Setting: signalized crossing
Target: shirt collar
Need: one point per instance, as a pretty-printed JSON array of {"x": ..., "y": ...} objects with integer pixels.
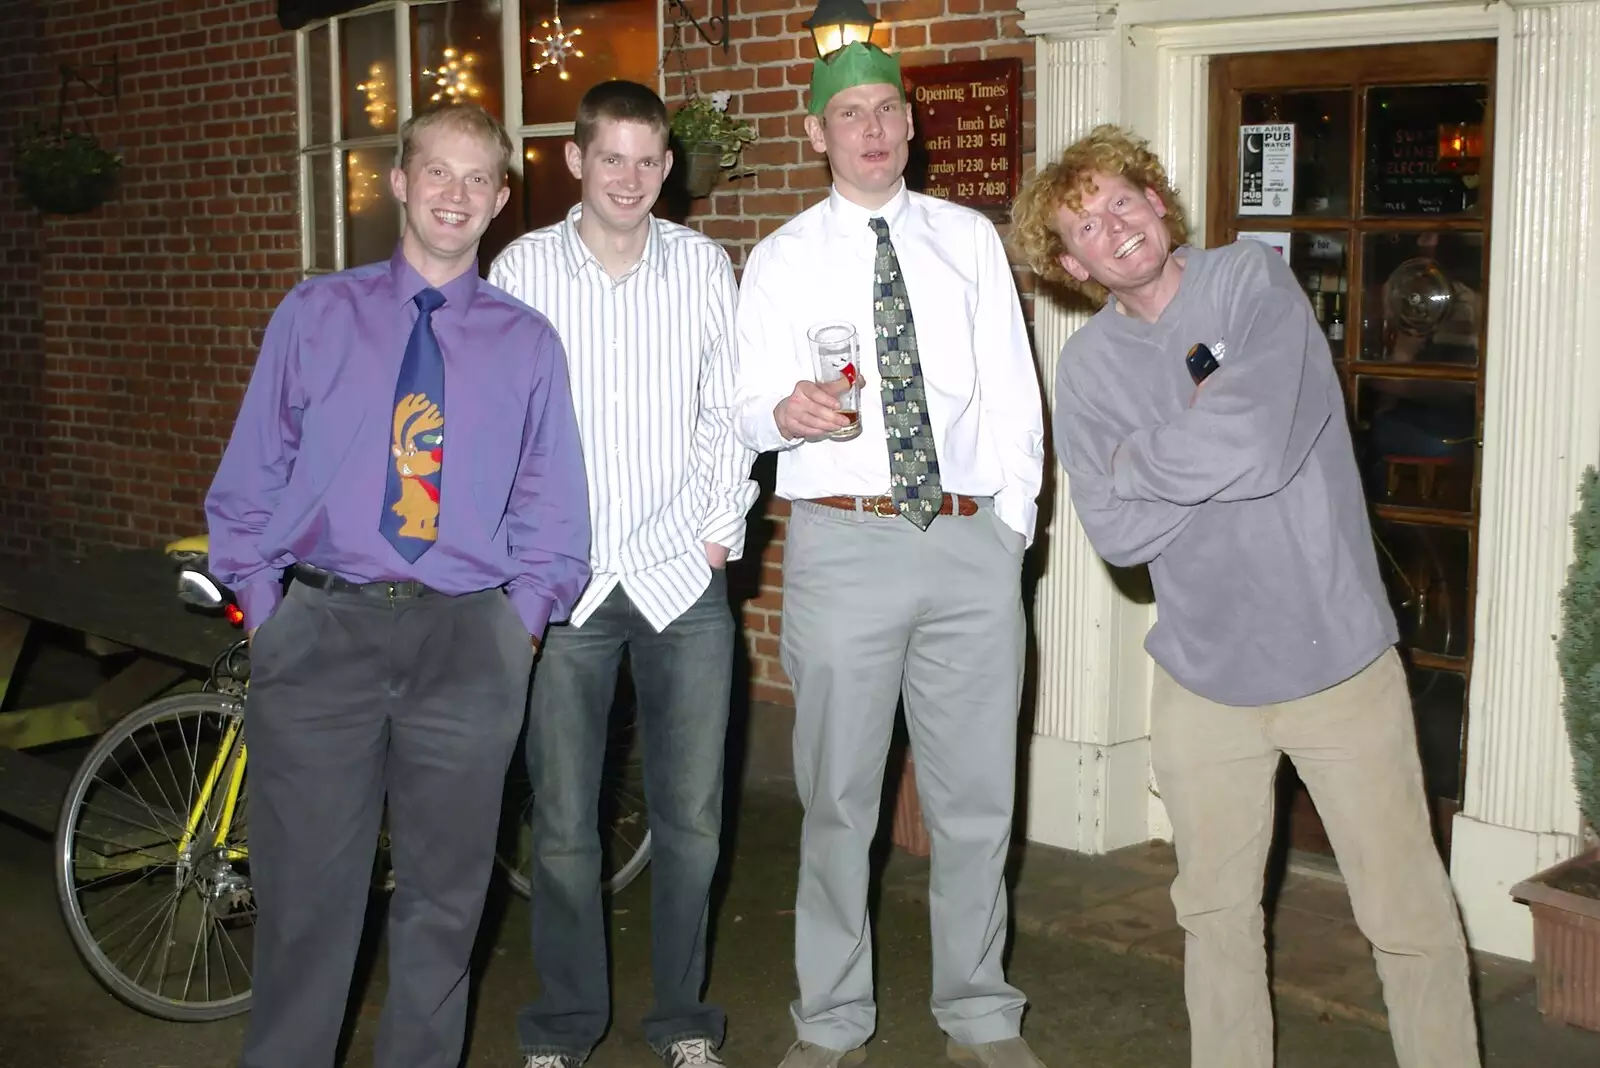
[
  {"x": 458, "y": 292},
  {"x": 578, "y": 253},
  {"x": 850, "y": 219}
]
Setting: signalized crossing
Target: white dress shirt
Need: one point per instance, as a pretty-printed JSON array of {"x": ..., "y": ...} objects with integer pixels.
[
  {"x": 652, "y": 366},
  {"x": 977, "y": 366}
]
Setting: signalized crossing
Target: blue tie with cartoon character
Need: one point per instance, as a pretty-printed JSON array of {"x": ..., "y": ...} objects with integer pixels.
[
  {"x": 416, "y": 445},
  {"x": 913, "y": 464}
]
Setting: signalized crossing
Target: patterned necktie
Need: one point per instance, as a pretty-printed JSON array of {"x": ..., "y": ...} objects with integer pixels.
[
  {"x": 913, "y": 464},
  {"x": 416, "y": 444}
]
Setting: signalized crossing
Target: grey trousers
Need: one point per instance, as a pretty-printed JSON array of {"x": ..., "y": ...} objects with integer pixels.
[
  {"x": 873, "y": 610},
  {"x": 353, "y": 699}
]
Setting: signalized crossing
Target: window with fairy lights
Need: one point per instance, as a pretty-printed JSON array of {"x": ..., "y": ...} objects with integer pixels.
[{"x": 361, "y": 75}]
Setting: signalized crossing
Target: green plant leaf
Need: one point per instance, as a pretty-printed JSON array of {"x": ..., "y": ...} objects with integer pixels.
[
  {"x": 1578, "y": 647},
  {"x": 697, "y": 123}
]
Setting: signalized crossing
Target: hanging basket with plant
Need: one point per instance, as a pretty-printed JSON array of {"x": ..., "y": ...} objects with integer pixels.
[
  {"x": 711, "y": 141},
  {"x": 63, "y": 172}
]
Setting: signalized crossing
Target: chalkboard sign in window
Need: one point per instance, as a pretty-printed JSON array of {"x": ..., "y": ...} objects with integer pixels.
[{"x": 1424, "y": 149}]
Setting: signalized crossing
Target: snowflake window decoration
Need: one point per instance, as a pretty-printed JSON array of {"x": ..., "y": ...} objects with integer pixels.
[
  {"x": 556, "y": 46},
  {"x": 456, "y": 77}
]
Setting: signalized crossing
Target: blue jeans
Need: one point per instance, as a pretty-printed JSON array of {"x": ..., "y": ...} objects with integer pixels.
[{"x": 682, "y": 677}]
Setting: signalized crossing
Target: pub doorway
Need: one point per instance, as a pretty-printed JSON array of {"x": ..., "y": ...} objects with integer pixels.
[{"x": 1369, "y": 169}]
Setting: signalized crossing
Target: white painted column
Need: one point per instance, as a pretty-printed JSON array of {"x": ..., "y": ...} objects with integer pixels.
[
  {"x": 1088, "y": 771},
  {"x": 1541, "y": 428}
]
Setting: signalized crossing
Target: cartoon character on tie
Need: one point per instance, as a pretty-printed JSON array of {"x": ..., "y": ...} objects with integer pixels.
[
  {"x": 416, "y": 475},
  {"x": 416, "y": 417}
]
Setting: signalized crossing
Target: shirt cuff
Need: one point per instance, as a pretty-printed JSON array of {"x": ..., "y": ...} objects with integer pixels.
[
  {"x": 761, "y": 433},
  {"x": 533, "y": 608},
  {"x": 726, "y": 529},
  {"x": 1018, "y": 511},
  {"x": 258, "y": 600}
]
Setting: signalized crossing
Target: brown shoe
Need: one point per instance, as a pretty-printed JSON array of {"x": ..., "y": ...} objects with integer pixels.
[
  {"x": 1007, "y": 1053},
  {"x": 807, "y": 1055}
]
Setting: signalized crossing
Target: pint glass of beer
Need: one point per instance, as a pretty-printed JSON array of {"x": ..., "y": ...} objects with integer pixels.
[{"x": 834, "y": 353}]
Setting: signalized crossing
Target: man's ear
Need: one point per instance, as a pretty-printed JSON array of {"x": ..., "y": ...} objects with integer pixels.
[
  {"x": 397, "y": 184},
  {"x": 501, "y": 198},
  {"x": 1074, "y": 267},
  {"x": 814, "y": 132},
  {"x": 574, "y": 159}
]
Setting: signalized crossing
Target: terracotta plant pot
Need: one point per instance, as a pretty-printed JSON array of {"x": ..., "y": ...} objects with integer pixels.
[
  {"x": 702, "y": 166},
  {"x": 1566, "y": 940}
]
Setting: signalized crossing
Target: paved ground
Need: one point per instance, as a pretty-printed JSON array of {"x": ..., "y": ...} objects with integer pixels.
[
  {"x": 1096, "y": 950},
  {"x": 1094, "y": 1005}
]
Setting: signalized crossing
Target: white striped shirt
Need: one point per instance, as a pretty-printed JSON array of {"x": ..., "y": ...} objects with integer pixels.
[{"x": 651, "y": 358}]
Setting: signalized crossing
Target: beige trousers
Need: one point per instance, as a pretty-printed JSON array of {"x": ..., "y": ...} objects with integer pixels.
[{"x": 1354, "y": 745}]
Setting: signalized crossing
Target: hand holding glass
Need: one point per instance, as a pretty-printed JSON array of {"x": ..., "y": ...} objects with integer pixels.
[{"x": 833, "y": 352}]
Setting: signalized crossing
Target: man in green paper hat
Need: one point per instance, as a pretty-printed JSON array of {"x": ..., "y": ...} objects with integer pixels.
[{"x": 902, "y": 565}]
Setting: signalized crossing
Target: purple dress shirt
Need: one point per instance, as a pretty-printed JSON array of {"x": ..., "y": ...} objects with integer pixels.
[{"x": 303, "y": 477}]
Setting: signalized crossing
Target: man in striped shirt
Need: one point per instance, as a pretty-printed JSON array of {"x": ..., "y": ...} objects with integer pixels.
[{"x": 645, "y": 311}]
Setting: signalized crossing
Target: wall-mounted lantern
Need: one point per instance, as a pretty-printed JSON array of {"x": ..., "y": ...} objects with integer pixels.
[{"x": 836, "y": 23}]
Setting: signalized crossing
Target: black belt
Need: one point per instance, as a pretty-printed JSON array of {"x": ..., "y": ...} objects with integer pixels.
[{"x": 328, "y": 582}]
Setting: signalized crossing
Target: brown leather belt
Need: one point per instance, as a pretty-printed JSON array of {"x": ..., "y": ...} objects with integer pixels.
[{"x": 883, "y": 505}]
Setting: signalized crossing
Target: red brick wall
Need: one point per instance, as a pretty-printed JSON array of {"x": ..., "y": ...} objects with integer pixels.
[
  {"x": 768, "y": 69},
  {"x": 130, "y": 331},
  {"x": 22, "y": 424}
]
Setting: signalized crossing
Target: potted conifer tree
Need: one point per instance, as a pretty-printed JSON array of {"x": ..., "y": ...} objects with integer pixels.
[{"x": 1565, "y": 899}]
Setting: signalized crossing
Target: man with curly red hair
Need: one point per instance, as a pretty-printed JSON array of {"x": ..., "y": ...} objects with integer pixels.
[{"x": 1200, "y": 423}]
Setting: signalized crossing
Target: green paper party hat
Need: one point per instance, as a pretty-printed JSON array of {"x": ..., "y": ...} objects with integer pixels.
[{"x": 857, "y": 63}]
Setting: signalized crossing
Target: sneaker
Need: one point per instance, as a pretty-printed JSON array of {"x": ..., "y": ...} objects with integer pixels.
[
  {"x": 551, "y": 1060},
  {"x": 1007, "y": 1053},
  {"x": 806, "y": 1055},
  {"x": 690, "y": 1051}
]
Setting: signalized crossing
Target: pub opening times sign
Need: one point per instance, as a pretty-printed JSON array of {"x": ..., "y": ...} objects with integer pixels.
[{"x": 968, "y": 120}]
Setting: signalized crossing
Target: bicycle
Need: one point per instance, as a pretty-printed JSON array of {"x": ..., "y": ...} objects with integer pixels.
[{"x": 152, "y": 857}]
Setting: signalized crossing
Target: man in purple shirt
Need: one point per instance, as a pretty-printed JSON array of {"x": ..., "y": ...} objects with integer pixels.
[{"x": 423, "y": 574}]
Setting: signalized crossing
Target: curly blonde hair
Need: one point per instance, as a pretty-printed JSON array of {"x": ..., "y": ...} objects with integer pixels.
[{"x": 1108, "y": 150}]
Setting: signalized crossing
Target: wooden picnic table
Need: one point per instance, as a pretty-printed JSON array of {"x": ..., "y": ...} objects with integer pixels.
[{"x": 124, "y": 604}]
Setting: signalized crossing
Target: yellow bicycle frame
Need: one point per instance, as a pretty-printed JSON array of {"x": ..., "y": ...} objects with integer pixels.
[{"x": 230, "y": 744}]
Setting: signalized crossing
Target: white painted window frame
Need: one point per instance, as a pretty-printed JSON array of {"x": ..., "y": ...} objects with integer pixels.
[{"x": 512, "y": 58}]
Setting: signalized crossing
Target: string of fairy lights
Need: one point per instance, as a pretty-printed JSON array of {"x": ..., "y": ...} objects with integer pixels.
[
  {"x": 363, "y": 181},
  {"x": 379, "y": 106}
]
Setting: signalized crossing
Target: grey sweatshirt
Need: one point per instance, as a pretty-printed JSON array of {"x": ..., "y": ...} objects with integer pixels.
[{"x": 1243, "y": 498}]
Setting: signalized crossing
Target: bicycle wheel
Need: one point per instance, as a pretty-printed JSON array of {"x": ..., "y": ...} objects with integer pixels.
[
  {"x": 157, "y": 901},
  {"x": 624, "y": 828}
]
